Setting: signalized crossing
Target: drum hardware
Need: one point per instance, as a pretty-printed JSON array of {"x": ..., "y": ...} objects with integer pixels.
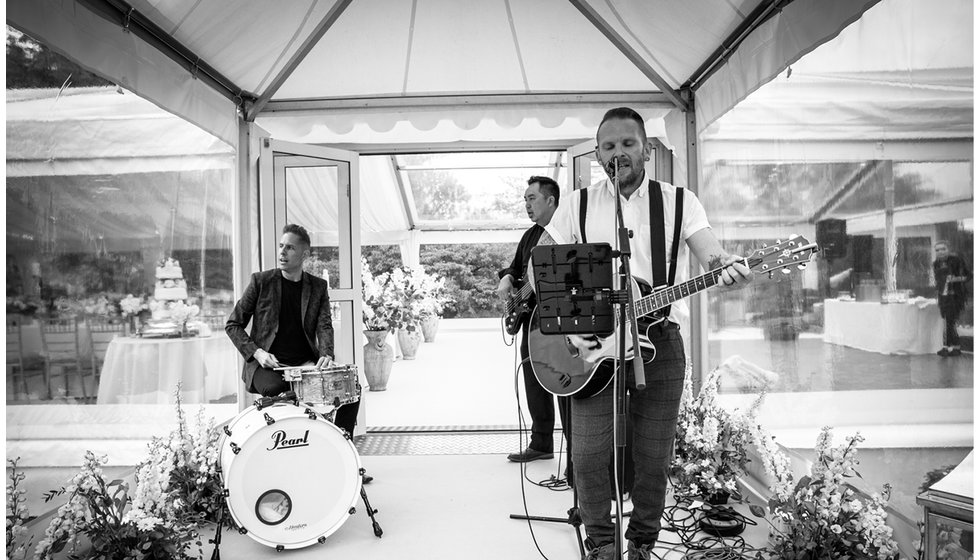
[
  {"x": 268, "y": 419},
  {"x": 234, "y": 448},
  {"x": 265, "y": 402},
  {"x": 226, "y": 430}
]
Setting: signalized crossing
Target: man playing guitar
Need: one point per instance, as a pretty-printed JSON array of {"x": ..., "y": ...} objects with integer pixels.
[
  {"x": 540, "y": 201},
  {"x": 623, "y": 149}
]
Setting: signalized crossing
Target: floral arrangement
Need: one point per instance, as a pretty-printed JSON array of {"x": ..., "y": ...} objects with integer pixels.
[
  {"x": 24, "y": 305},
  {"x": 17, "y": 514},
  {"x": 821, "y": 517},
  {"x": 712, "y": 443},
  {"x": 181, "y": 312},
  {"x": 131, "y": 305},
  {"x": 176, "y": 489},
  {"x": 95, "y": 305},
  {"x": 380, "y": 305},
  {"x": 419, "y": 294}
]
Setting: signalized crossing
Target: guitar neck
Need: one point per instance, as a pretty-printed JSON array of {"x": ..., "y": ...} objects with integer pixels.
[{"x": 667, "y": 295}]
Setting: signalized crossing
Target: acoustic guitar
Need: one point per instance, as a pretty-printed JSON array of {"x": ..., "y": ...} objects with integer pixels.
[{"x": 572, "y": 365}]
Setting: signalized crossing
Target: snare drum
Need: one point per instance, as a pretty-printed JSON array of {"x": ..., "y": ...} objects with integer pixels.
[
  {"x": 292, "y": 478},
  {"x": 334, "y": 386}
]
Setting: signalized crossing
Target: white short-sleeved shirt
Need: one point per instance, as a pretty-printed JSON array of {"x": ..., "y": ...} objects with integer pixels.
[{"x": 600, "y": 225}]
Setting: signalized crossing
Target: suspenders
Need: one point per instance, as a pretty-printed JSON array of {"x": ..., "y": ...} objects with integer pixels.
[{"x": 657, "y": 241}]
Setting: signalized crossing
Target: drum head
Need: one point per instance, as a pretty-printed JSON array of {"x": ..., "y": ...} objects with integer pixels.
[{"x": 293, "y": 481}]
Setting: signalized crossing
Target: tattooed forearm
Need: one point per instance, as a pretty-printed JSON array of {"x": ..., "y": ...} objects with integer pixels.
[{"x": 714, "y": 261}]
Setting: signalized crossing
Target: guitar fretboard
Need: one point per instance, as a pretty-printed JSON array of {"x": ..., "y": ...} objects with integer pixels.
[{"x": 669, "y": 294}]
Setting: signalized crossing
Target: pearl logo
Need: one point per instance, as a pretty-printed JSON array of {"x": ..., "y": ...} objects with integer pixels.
[{"x": 280, "y": 441}]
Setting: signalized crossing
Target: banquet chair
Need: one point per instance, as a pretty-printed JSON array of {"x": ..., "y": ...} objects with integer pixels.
[
  {"x": 102, "y": 333},
  {"x": 15, "y": 358},
  {"x": 65, "y": 346}
]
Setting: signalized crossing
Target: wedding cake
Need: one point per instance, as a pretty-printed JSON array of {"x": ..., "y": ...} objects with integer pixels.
[{"x": 170, "y": 284}]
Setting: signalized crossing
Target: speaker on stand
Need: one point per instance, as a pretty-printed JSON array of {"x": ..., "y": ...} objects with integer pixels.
[{"x": 832, "y": 238}]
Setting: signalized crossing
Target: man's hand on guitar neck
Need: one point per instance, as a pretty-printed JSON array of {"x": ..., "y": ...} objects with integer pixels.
[{"x": 736, "y": 273}]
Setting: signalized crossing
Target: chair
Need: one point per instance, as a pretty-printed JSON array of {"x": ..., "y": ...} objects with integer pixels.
[
  {"x": 102, "y": 333},
  {"x": 15, "y": 357},
  {"x": 19, "y": 366},
  {"x": 65, "y": 345}
]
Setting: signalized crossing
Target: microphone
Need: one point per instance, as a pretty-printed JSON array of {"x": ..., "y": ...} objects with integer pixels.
[{"x": 612, "y": 166}]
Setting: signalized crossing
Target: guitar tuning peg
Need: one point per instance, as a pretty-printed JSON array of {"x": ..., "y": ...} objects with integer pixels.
[
  {"x": 778, "y": 241},
  {"x": 785, "y": 270},
  {"x": 770, "y": 274},
  {"x": 794, "y": 236},
  {"x": 802, "y": 266}
]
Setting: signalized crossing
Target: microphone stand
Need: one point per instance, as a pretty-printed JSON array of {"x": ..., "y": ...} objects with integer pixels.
[{"x": 626, "y": 321}]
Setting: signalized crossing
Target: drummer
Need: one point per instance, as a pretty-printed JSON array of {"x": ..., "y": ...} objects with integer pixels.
[{"x": 291, "y": 323}]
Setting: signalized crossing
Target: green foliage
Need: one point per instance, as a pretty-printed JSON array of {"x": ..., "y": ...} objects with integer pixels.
[
  {"x": 470, "y": 271},
  {"x": 33, "y": 65},
  {"x": 471, "y": 275}
]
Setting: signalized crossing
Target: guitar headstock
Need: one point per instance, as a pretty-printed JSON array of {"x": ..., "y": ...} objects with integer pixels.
[{"x": 784, "y": 256}]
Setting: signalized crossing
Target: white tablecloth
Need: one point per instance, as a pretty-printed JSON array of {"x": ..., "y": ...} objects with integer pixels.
[
  {"x": 886, "y": 328},
  {"x": 146, "y": 370}
]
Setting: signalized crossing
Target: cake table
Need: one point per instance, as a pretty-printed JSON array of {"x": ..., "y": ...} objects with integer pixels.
[{"x": 146, "y": 370}]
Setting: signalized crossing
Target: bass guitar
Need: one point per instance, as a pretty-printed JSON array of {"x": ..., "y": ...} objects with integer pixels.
[
  {"x": 518, "y": 308},
  {"x": 583, "y": 366}
]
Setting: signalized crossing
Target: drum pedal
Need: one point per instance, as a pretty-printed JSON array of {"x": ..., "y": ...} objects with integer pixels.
[{"x": 268, "y": 419}]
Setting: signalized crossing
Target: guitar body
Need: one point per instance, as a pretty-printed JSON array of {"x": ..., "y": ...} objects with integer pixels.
[
  {"x": 519, "y": 311},
  {"x": 566, "y": 368}
]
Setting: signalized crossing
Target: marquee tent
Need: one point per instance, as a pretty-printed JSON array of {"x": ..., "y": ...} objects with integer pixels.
[{"x": 342, "y": 63}]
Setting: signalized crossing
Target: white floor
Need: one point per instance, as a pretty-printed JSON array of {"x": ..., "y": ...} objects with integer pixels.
[
  {"x": 466, "y": 377},
  {"x": 449, "y": 507}
]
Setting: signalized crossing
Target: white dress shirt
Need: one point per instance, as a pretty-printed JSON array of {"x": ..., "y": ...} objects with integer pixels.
[{"x": 600, "y": 227}]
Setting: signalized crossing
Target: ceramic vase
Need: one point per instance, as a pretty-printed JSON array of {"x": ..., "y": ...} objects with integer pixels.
[
  {"x": 409, "y": 341},
  {"x": 378, "y": 357},
  {"x": 430, "y": 326}
]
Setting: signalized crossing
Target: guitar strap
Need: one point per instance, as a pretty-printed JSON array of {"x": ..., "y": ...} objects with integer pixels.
[{"x": 657, "y": 241}]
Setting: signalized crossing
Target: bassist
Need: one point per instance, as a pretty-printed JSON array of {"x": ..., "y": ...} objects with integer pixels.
[
  {"x": 540, "y": 202},
  {"x": 622, "y": 148}
]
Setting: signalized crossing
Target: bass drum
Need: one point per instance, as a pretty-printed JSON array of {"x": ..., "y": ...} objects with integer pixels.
[{"x": 291, "y": 477}]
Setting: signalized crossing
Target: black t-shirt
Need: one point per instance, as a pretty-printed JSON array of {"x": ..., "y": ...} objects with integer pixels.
[{"x": 290, "y": 346}]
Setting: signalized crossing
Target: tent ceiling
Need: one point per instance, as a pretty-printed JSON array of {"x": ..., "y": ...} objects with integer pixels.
[{"x": 426, "y": 47}]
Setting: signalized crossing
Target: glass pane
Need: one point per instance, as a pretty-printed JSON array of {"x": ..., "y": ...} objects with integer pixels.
[
  {"x": 312, "y": 201},
  {"x": 475, "y": 186},
  {"x": 119, "y": 220}
]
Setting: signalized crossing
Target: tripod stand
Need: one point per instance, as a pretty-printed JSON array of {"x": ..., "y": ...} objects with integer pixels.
[{"x": 574, "y": 518}]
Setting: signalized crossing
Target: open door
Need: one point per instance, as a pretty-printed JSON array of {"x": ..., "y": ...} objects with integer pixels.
[{"x": 317, "y": 188}]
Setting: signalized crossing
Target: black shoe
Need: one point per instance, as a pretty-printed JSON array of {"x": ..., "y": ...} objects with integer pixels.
[
  {"x": 955, "y": 352},
  {"x": 944, "y": 352},
  {"x": 365, "y": 479},
  {"x": 529, "y": 455}
]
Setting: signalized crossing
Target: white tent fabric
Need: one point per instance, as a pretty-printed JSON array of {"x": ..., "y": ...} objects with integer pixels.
[
  {"x": 102, "y": 131},
  {"x": 898, "y": 84},
  {"x": 125, "y": 59},
  {"x": 433, "y": 48}
]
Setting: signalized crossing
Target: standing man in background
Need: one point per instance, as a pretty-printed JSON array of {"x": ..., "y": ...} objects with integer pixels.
[
  {"x": 540, "y": 202},
  {"x": 951, "y": 275}
]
